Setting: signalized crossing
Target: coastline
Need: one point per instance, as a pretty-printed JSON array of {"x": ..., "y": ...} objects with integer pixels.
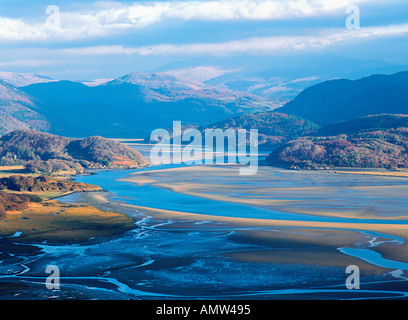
[
  {"x": 101, "y": 200},
  {"x": 313, "y": 246},
  {"x": 330, "y": 237}
]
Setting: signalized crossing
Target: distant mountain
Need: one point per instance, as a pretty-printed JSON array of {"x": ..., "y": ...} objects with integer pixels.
[
  {"x": 177, "y": 86},
  {"x": 22, "y": 79},
  {"x": 43, "y": 152},
  {"x": 200, "y": 92},
  {"x": 135, "y": 105},
  {"x": 290, "y": 67},
  {"x": 96, "y": 82},
  {"x": 199, "y": 73},
  {"x": 18, "y": 110},
  {"x": 280, "y": 79},
  {"x": 371, "y": 142},
  {"x": 338, "y": 100}
]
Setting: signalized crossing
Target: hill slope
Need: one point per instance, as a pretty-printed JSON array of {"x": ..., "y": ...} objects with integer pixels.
[
  {"x": 135, "y": 105},
  {"x": 15, "y": 202},
  {"x": 338, "y": 100},
  {"x": 43, "y": 152},
  {"x": 22, "y": 79},
  {"x": 18, "y": 110},
  {"x": 274, "y": 128},
  {"x": 368, "y": 147},
  {"x": 367, "y": 123},
  {"x": 43, "y": 183}
]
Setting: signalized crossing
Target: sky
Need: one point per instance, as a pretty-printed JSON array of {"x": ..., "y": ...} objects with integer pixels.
[{"x": 86, "y": 40}]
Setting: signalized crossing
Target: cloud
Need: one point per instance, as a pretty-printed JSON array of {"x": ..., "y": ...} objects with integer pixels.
[
  {"x": 109, "y": 18},
  {"x": 255, "y": 45},
  {"x": 255, "y": 9},
  {"x": 27, "y": 63}
]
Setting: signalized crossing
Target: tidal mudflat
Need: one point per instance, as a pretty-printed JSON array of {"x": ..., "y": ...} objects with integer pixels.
[{"x": 207, "y": 232}]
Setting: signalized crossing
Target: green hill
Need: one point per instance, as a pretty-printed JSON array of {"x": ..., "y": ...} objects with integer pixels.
[
  {"x": 371, "y": 142},
  {"x": 274, "y": 128},
  {"x": 43, "y": 152},
  {"x": 368, "y": 123}
]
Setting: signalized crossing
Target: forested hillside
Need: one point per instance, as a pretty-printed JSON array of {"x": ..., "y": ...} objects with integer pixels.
[
  {"x": 43, "y": 152},
  {"x": 366, "y": 147}
]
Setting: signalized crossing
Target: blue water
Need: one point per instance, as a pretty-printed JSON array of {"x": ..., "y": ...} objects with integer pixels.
[
  {"x": 151, "y": 262},
  {"x": 374, "y": 258},
  {"x": 155, "y": 197}
]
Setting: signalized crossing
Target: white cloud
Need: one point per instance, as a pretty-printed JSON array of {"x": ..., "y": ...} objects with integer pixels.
[
  {"x": 110, "y": 18},
  {"x": 256, "y": 45},
  {"x": 256, "y": 9}
]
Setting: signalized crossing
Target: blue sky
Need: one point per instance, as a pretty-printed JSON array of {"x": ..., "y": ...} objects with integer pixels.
[{"x": 107, "y": 39}]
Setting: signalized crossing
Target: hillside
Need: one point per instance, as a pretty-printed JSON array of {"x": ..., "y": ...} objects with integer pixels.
[
  {"x": 178, "y": 86},
  {"x": 136, "y": 104},
  {"x": 367, "y": 123},
  {"x": 43, "y": 152},
  {"x": 22, "y": 79},
  {"x": 15, "y": 202},
  {"x": 43, "y": 183},
  {"x": 274, "y": 128},
  {"x": 18, "y": 110},
  {"x": 371, "y": 142},
  {"x": 339, "y": 100},
  {"x": 280, "y": 79}
]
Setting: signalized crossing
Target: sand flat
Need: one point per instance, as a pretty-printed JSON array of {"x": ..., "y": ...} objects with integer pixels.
[
  {"x": 269, "y": 189},
  {"x": 331, "y": 230},
  {"x": 57, "y": 222}
]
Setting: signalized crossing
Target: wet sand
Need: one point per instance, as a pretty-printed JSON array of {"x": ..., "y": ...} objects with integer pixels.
[
  {"x": 183, "y": 254},
  {"x": 287, "y": 242},
  {"x": 56, "y": 222},
  {"x": 223, "y": 184}
]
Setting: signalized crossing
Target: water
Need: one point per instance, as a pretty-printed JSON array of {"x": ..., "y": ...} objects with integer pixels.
[
  {"x": 163, "y": 259},
  {"x": 159, "y": 198}
]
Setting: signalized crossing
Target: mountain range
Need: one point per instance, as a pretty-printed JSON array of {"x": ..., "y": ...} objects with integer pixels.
[
  {"x": 343, "y": 99},
  {"x": 135, "y": 104},
  {"x": 198, "y": 92}
]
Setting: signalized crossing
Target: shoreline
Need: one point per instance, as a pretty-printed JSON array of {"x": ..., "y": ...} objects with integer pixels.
[
  {"x": 259, "y": 228},
  {"x": 311, "y": 245},
  {"x": 161, "y": 214},
  {"x": 99, "y": 198},
  {"x": 305, "y": 243}
]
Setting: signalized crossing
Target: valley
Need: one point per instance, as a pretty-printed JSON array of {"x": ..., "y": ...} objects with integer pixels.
[{"x": 80, "y": 190}]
